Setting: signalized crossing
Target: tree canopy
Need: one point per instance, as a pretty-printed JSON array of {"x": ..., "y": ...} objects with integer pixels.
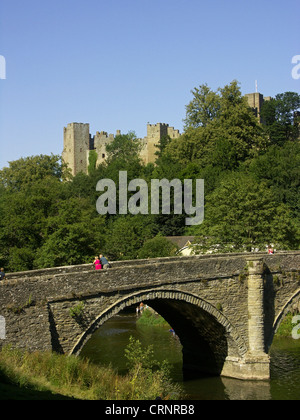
[{"x": 250, "y": 170}]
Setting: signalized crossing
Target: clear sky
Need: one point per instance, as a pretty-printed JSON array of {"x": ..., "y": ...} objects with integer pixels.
[{"x": 119, "y": 64}]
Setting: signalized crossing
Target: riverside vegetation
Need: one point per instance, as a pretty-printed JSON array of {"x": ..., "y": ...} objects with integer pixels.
[
  {"x": 48, "y": 218},
  {"x": 48, "y": 375},
  {"x": 150, "y": 318}
]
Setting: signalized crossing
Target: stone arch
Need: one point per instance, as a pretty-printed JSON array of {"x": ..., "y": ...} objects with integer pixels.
[
  {"x": 206, "y": 335},
  {"x": 282, "y": 313}
]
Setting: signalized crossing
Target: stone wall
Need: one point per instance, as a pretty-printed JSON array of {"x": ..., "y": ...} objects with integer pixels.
[
  {"x": 78, "y": 142},
  {"x": 206, "y": 300}
]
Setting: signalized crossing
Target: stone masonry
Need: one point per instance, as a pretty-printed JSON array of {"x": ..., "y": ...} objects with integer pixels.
[
  {"x": 78, "y": 142},
  {"x": 224, "y": 308}
]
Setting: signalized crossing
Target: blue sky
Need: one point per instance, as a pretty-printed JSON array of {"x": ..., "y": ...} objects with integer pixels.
[{"x": 119, "y": 64}]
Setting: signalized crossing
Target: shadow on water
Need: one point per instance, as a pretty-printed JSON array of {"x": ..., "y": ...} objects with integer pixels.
[{"x": 108, "y": 343}]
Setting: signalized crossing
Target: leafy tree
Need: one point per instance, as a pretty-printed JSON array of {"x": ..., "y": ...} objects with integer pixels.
[
  {"x": 278, "y": 115},
  {"x": 25, "y": 213},
  {"x": 93, "y": 156},
  {"x": 279, "y": 168},
  {"x": 30, "y": 169},
  {"x": 203, "y": 108},
  {"x": 72, "y": 236},
  {"x": 242, "y": 214},
  {"x": 162, "y": 144},
  {"x": 157, "y": 247},
  {"x": 228, "y": 138},
  {"x": 124, "y": 147},
  {"x": 127, "y": 235}
]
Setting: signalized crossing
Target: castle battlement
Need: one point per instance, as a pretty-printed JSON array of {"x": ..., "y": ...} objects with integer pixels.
[{"x": 78, "y": 142}]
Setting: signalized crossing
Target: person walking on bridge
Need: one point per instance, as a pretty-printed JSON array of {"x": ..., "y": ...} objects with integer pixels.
[
  {"x": 2, "y": 274},
  {"x": 97, "y": 264},
  {"x": 105, "y": 264}
]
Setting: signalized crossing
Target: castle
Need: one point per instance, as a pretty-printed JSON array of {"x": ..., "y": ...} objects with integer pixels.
[
  {"x": 78, "y": 142},
  {"x": 256, "y": 101}
]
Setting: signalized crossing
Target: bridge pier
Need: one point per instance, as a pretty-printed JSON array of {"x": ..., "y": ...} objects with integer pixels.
[{"x": 256, "y": 363}]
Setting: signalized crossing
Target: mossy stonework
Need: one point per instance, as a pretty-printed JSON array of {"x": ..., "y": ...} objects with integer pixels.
[{"x": 225, "y": 308}]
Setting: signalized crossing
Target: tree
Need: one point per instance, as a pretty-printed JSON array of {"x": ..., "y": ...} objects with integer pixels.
[
  {"x": 157, "y": 247},
  {"x": 124, "y": 147},
  {"x": 242, "y": 214},
  {"x": 279, "y": 114},
  {"x": 203, "y": 108},
  {"x": 74, "y": 235},
  {"x": 226, "y": 139},
  {"x": 279, "y": 169},
  {"x": 24, "y": 215},
  {"x": 127, "y": 235},
  {"x": 30, "y": 169},
  {"x": 93, "y": 156}
]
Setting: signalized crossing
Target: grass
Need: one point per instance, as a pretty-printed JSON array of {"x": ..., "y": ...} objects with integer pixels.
[
  {"x": 148, "y": 317},
  {"x": 46, "y": 375},
  {"x": 286, "y": 327}
]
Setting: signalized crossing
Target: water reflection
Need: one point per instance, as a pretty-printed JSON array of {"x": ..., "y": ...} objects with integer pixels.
[{"x": 108, "y": 343}]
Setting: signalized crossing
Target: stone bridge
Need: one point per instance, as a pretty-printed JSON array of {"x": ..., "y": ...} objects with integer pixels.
[{"x": 225, "y": 308}]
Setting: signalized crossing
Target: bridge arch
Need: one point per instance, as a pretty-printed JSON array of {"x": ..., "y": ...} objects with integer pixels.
[
  {"x": 206, "y": 335},
  {"x": 287, "y": 307}
]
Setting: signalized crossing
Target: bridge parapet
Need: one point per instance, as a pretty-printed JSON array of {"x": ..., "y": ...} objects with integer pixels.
[
  {"x": 218, "y": 297},
  {"x": 123, "y": 264}
]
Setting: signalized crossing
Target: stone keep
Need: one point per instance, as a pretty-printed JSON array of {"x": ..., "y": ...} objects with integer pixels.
[{"x": 78, "y": 142}]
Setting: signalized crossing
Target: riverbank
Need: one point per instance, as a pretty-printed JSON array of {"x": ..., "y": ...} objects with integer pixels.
[
  {"x": 151, "y": 318},
  {"x": 286, "y": 327},
  {"x": 47, "y": 375}
]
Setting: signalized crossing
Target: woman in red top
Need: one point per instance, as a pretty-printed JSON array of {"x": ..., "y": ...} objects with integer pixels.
[{"x": 97, "y": 264}]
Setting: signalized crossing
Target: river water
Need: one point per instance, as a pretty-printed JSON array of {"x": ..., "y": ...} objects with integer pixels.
[{"x": 108, "y": 343}]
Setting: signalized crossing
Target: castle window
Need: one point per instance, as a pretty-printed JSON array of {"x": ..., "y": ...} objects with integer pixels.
[
  {"x": 81, "y": 149},
  {"x": 81, "y": 161},
  {"x": 103, "y": 155}
]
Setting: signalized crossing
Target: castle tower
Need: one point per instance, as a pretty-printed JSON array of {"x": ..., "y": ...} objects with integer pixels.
[
  {"x": 76, "y": 145},
  {"x": 255, "y": 101},
  {"x": 155, "y": 132},
  {"x": 101, "y": 140}
]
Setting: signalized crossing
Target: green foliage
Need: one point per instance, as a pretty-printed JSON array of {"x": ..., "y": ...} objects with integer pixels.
[
  {"x": 251, "y": 173},
  {"x": 128, "y": 234},
  {"x": 31, "y": 169},
  {"x": 255, "y": 219},
  {"x": 204, "y": 107},
  {"x": 149, "y": 317},
  {"x": 148, "y": 375},
  {"x": 71, "y": 376},
  {"x": 286, "y": 327},
  {"x": 125, "y": 148},
  {"x": 157, "y": 247},
  {"x": 221, "y": 130},
  {"x": 77, "y": 311},
  {"x": 278, "y": 115},
  {"x": 93, "y": 156}
]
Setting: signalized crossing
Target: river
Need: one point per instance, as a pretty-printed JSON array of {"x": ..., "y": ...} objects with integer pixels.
[{"x": 108, "y": 343}]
